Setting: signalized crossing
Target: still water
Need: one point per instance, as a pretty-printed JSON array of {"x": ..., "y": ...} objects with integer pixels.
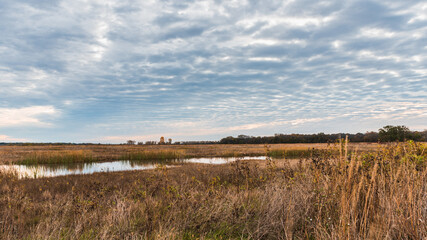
[{"x": 54, "y": 170}]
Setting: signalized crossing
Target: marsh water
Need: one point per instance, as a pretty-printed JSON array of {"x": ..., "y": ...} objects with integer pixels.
[{"x": 54, "y": 170}]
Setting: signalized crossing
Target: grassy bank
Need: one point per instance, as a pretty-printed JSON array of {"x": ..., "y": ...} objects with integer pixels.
[{"x": 381, "y": 195}]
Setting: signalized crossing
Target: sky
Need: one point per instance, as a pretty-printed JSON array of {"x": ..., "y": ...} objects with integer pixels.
[{"x": 112, "y": 70}]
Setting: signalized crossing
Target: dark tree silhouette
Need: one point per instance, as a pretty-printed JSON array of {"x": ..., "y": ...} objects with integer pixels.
[{"x": 394, "y": 133}]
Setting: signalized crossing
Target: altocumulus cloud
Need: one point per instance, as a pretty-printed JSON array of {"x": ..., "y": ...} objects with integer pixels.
[
  {"x": 5, "y": 138},
  {"x": 206, "y": 69},
  {"x": 25, "y": 116}
]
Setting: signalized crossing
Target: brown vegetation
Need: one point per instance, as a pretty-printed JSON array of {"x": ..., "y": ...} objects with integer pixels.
[
  {"x": 381, "y": 195},
  {"x": 91, "y": 153}
]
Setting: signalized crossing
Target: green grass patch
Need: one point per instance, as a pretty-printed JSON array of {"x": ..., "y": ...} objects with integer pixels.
[
  {"x": 302, "y": 153},
  {"x": 55, "y": 157},
  {"x": 294, "y": 153}
]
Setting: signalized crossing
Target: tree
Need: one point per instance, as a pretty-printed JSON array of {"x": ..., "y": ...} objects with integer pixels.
[
  {"x": 130, "y": 142},
  {"x": 244, "y": 136},
  {"x": 424, "y": 135},
  {"x": 393, "y": 133},
  {"x": 162, "y": 140},
  {"x": 370, "y": 137}
]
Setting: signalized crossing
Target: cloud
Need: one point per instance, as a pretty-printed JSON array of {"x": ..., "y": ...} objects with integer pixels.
[
  {"x": 5, "y": 138},
  {"x": 203, "y": 129},
  {"x": 27, "y": 116},
  {"x": 230, "y": 65}
]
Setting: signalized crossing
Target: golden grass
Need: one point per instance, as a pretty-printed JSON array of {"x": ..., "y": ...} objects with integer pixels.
[{"x": 377, "y": 195}]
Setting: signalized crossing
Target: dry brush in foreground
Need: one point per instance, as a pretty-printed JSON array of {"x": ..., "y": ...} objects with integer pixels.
[{"x": 380, "y": 195}]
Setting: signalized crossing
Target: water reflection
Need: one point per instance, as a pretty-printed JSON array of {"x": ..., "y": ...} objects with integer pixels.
[{"x": 53, "y": 170}]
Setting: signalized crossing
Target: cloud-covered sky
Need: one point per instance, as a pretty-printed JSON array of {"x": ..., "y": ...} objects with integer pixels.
[{"x": 112, "y": 70}]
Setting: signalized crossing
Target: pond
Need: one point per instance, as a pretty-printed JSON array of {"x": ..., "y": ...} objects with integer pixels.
[{"x": 54, "y": 170}]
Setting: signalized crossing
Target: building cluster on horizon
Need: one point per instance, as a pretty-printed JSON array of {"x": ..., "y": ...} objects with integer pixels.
[{"x": 161, "y": 142}]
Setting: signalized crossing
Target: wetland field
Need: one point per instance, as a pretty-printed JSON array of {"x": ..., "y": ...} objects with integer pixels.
[
  {"x": 33, "y": 154},
  {"x": 278, "y": 191}
]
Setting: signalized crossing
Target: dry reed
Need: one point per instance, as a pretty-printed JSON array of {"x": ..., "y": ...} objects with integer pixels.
[{"x": 381, "y": 195}]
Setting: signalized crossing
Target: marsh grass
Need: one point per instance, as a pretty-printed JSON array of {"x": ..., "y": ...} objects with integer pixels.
[
  {"x": 302, "y": 153},
  {"x": 380, "y": 195},
  {"x": 100, "y": 153},
  {"x": 61, "y": 156},
  {"x": 87, "y": 156},
  {"x": 153, "y": 155}
]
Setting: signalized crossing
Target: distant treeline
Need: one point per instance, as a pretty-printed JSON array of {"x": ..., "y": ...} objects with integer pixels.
[
  {"x": 385, "y": 134},
  {"x": 196, "y": 142}
]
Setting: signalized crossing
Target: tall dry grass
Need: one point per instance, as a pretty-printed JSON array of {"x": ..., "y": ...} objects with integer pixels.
[{"x": 381, "y": 195}]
